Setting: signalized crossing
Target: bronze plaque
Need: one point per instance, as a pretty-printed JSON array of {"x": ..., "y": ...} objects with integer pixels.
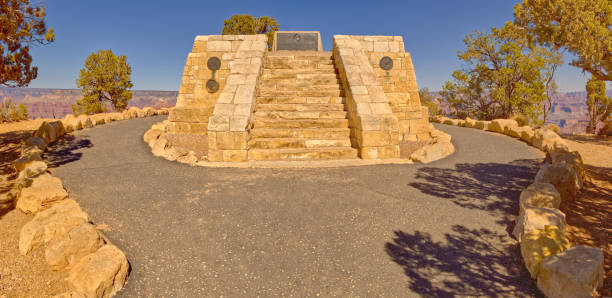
[
  {"x": 386, "y": 63},
  {"x": 297, "y": 42},
  {"x": 212, "y": 86},
  {"x": 213, "y": 63}
]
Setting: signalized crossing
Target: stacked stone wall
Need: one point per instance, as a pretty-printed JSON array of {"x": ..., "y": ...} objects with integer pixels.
[{"x": 399, "y": 84}]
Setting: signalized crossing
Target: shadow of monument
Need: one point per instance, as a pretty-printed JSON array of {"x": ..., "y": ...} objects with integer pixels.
[
  {"x": 465, "y": 264},
  {"x": 493, "y": 187},
  {"x": 63, "y": 151}
]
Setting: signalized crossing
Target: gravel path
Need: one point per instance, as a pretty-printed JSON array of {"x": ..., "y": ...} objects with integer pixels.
[{"x": 440, "y": 229}]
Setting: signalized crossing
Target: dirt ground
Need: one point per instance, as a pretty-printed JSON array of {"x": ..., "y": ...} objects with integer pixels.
[
  {"x": 21, "y": 276},
  {"x": 589, "y": 216}
]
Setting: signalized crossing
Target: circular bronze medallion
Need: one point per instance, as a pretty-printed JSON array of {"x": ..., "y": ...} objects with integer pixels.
[
  {"x": 213, "y": 63},
  {"x": 297, "y": 37},
  {"x": 386, "y": 63},
  {"x": 212, "y": 86}
]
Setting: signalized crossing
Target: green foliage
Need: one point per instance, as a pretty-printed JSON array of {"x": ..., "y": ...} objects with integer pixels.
[
  {"x": 553, "y": 127},
  {"x": 600, "y": 106},
  {"x": 584, "y": 27},
  {"x": 104, "y": 79},
  {"x": 428, "y": 100},
  {"x": 520, "y": 119},
  {"x": 10, "y": 112},
  {"x": 502, "y": 76},
  {"x": 21, "y": 25},
  {"x": 247, "y": 24}
]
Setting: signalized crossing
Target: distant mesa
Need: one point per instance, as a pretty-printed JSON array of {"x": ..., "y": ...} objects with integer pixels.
[{"x": 56, "y": 103}]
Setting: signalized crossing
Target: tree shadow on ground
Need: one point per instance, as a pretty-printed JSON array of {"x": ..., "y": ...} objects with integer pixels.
[
  {"x": 493, "y": 187},
  {"x": 465, "y": 264},
  {"x": 63, "y": 151},
  {"x": 469, "y": 262},
  {"x": 10, "y": 149}
]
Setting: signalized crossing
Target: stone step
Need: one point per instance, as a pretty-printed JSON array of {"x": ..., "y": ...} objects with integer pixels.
[
  {"x": 269, "y": 74},
  {"x": 299, "y": 64},
  {"x": 271, "y": 115},
  {"x": 299, "y": 107},
  {"x": 327, "y": 54},
  {"x": 275, "y": 83},
  {"x": 289, "y": 86},
  {"x": 302, "y": 123},
  {"x": 302, "y": 93},
  {"x": 278, "y": 143},
  {"x": 304, "y": 133},
  {"x": 299, "y": 100},
  {"x": 303, "y": 154}
]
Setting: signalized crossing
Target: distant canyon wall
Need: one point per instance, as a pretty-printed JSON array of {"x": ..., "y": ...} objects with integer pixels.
[
  {"x": 57, "y": 103},
  {"x": 569, "y": 111}
]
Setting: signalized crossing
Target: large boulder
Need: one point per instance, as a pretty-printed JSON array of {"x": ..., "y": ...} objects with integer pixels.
[
  {"x": 115, "y": 116},
  {"x": 517, "y": 131},
  {"x": 499, "y": 125},
  {"x": 439, "y": 136},
  {"x": 547, "y": 140},
  {"x": 163, "y": 111},
  {"x": 151, "y": 136},
  {"x": 527, "y": 134},
  {"x": 85, "y": 121},
  {"x": 46, "y": 132},
  {"x": 481, "y": 124},
  {"x": 159, "y": 145},
  {"x": 534, "y": 218},
  {"x": 44, "y": 191},
  {"x": 100, "y": 274},
  {"x": 134, "y": 112},
  {"x": 449, "y": 121},
  {"x": 536, "y": 245},
  {"x": 32, "y": 170},
  {"x": 27, "y": 159},
  {"x": 51, "y": 224},
  {"x": 573, "y": 159},
  {"x": 98, "y": 119},
  {"x": 433, "y": 152},
  {"x": 576, "y": 272},
  {"x": 149, "y": 111},
  {"x": 58, "y": 126},
  {"x": 72, "y": 247},
  {"x": 564, "y": 178},
  {"x": 36, "y": 142},
  {"x": 72, "y": 123},
  {"x": 542, "y": 195},
  {"x": 469, "y": 122}
]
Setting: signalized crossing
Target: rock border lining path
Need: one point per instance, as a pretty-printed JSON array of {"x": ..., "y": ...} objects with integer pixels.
[
  {"x": 560, "y": 269},
  {"x": 439, "y": 148},
  {"x": 97, "y": 267}
]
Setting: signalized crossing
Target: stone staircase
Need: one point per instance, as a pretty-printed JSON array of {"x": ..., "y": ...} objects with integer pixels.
[{"x": 300, "y": 112}]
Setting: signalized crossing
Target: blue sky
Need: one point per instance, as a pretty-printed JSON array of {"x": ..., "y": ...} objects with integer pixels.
[{"x": 156, "y": 36}]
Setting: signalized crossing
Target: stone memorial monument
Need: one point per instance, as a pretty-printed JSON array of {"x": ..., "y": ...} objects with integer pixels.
[{"x": 239, "y": 102}]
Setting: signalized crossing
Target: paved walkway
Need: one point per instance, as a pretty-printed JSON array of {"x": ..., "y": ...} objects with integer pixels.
[{"x": 440, "y": 229}]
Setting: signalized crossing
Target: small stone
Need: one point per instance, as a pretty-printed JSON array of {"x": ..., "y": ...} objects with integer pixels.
[{"x": 433, "y": 152}]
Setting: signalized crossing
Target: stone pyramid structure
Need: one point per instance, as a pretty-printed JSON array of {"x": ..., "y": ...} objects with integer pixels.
[{"x": 239, "y": 102}]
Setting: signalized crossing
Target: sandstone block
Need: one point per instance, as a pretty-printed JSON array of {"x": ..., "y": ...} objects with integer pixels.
[
  {"x": 527, "y": 134},
  {"x": 98, "y": 119},
  {"x": 85, "y": 121},
  {"x": 537, "y": 245},
  {"x": 159, "y": 145},
  {"x": 515, "y": 131},
  {"x": 51, "y": 224},
  {"x": 37, "y": 142},
  {"x": 151, "y": 135},
  {"x": 58, "y": 126},
  {"x": 499, "y": 125},
  {"x": 576, "y": 272},
  {"x": 32, "y": 170},
  {"x": 469, "y": 122},
  {"x": 433, "y": 152},
  {"x": 100, "y": 274},
  {"x": 46, "y": 132},
  {"x": 27, "y": 159},
  {"x": 44, "y": 191},
  {"x": 534, "y": 218},
  {"x": 559, "y": 156},
  {"x": 149, "y": 111},
  {"x": 542, "y": 195},
  {"x": 564, "y": 178},
  {"x": 546, "y": 140},
  {"x": 482, "y": 125},
  {"x": 72, "y": 247}
]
